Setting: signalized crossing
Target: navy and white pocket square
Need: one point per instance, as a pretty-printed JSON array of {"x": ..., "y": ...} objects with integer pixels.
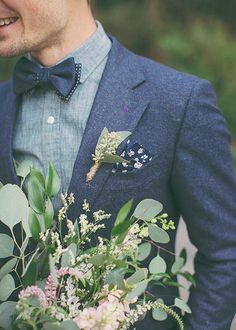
[{"x": 136, "y": 155}]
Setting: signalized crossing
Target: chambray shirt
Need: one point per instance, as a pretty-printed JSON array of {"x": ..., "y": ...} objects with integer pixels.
[{"x": 48, "y": 129}]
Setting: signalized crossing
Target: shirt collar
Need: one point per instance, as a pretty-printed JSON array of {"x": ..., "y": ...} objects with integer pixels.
[{"x": 90, "y": 54}]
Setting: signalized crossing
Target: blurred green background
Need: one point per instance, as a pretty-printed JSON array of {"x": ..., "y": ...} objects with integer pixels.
[{"x": 197, "y": 36}]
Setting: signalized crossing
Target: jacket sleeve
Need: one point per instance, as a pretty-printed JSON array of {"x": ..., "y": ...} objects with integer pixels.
[{"x": 204, "y": 187}]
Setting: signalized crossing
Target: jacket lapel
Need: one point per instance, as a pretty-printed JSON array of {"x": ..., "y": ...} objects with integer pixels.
[
  {"x": 121, "y": 99},
  {"x": 9, "y": 104}
]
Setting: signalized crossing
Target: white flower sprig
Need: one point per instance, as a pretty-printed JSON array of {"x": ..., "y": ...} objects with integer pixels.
[{"x": 105, "y": 151}]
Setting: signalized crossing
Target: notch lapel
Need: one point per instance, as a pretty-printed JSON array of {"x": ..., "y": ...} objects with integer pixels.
[
  {"x": 9, "y": 103},
  {"x": 121, "y": 99}
]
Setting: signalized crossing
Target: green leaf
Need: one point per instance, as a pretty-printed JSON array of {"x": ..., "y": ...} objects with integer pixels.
[
  {"x": 53, "y": 182},
  {"x": 6, "y": 246},
  {"x": 7, "y": 267},
  {"x": 34, "y": 224},
  {"x": 158, "y": 314},
  {"x": 112, "y": 159},
  {"x": 7, "y": 286},
  {"x": 123, "y": 135},
  {"x": 24, "y": 168},
  {"x": 158, "y": 234},
  {"x": 7, "y": 313},
  {"x": 183, "y": 254},
  {"x": 98, "y": 260},
  {"x": 182, "y": 305},
  {"x": 157, "y": 265},
  {"x": 36, "y": 195},
  {"x": 69, "y": 325},
  {"x": 52, "y": 326},
  {"x": 138, "y": 276},
  {"x": 65, "y": 325},
  {"x": 53, "y": 269},
  {"x": 13, "y": 205},
  {"x": 36, "y": 175},
  {"x": 137, "y": 291},
  {"x": 30, "y": 276},
  {"x": 189, "y": 277},
  {"x": 49, "y": 214},
  {"x": 177, "y": 265},
  {"x": 104, "y": 132},
  {"x": 124, "y": 212},
  {"x": 143, "y": 251},
  {"x": 115, "y": 277},
  {"x": 121, "y": 228},
  {"x": 147, "y": 209},
  {"x": 66, "y": 257}
]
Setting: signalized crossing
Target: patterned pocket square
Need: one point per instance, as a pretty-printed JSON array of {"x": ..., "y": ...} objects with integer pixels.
[{"x": 137, "y": 156}]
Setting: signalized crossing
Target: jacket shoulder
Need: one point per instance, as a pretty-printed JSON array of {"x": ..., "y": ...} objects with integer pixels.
[{"x": 168, "y": 78}]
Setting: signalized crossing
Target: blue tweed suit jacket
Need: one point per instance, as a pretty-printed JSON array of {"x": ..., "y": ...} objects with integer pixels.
[{"x": 175, "y": 117}]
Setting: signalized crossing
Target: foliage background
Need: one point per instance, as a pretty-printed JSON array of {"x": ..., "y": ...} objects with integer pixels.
[{"x": 196, "y": 36}]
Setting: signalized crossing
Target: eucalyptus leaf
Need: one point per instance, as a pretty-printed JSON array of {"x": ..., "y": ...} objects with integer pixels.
[
  {"x": 158, "y": 314},
  {"x": 182, "y": 305},
  {"x": 69, "y": 325},
  {"x": 7, "y": 313},
  {"x": 13, "y": 205},
  {"x": 34, "y": 224},
  {"x": 138, "y": 290},
  {"x": 7, "y": 286},
  {"x": 6, "y": 246},
  {"x": 115, "y": 277},
  {"x": 144, "y": 251},
  {"x": 158, "y": 234},
  {"x": 177, "y": 265},
  {"x": 157, "y": 265},
  {"x": 138, "y": 276},
  {"x": 124, "y": 212},
  {"x": 24, "y": 168},
  {"x": 53, "y": 182},
  {"x": 7, "y": 267},
  {"x": 147, "y": 209}
]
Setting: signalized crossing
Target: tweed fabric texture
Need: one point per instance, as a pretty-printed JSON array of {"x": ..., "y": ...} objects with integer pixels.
[{"x": 48, "y": 129}]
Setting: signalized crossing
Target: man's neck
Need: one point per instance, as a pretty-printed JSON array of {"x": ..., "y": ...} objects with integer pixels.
[{"x": 78, "y": 31}]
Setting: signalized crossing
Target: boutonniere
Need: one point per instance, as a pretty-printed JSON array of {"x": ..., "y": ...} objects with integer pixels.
[{"x": 105, "y": 151}]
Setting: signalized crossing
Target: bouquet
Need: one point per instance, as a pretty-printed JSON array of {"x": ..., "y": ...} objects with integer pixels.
[{"x": 64, "y": 275}]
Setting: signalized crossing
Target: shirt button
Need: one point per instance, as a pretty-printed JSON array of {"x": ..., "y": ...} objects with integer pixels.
[{"x": 51, "y": 120}]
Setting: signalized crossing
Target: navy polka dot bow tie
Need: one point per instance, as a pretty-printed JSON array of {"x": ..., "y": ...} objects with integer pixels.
[{"x": 63, "y": 77}]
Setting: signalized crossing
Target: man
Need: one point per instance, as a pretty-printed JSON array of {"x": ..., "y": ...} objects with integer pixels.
[{"x": 94, "y": 82}]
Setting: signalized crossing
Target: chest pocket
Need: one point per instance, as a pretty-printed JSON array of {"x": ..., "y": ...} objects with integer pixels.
[{"x": 135, "y": 179}]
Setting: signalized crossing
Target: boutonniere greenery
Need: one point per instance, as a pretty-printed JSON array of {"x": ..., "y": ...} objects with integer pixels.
[{"x": 105, "y": 151}]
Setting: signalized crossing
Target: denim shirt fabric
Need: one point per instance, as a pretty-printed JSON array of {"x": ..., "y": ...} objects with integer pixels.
[{"x": 48, "y": 129}]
